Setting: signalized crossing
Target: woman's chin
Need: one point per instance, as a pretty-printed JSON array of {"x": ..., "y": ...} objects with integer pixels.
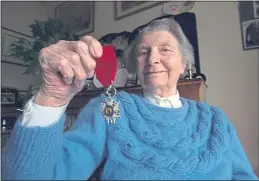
[{"x": 153, "y": 84}]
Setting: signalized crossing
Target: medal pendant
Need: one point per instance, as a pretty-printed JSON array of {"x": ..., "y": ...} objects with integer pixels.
[
  {"x": 110, "y": 108},
  {"x": 106, "y": 67}
]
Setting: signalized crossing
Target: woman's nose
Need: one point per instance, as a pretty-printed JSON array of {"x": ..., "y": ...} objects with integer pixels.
[{"x": 153, "y": 57}]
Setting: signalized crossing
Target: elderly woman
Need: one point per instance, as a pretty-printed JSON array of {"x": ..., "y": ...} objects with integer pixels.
[{"x": 159, "y": 135}]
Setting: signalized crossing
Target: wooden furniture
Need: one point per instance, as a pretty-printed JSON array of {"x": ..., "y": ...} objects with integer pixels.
[
  {"x": 194, "y": 89},
  {"x": 191, "y": 89}
]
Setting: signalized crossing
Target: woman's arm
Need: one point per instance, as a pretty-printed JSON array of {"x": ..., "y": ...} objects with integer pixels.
[{"x": 48, "y": 153}]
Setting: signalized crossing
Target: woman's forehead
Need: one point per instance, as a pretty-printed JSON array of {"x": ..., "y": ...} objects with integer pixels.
[{"x": 158, "y": 38}]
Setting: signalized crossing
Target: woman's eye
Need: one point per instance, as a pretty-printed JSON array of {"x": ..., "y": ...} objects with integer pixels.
[
  {"x": 143, "y": 53},
  {"x": 166, "y": 49}
]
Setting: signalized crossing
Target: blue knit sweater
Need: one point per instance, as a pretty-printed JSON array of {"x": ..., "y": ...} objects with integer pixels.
[{"x": 196, "y": 141}]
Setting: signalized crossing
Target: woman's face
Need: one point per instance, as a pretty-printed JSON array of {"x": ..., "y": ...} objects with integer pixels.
[{"x": 159, "y": 62}]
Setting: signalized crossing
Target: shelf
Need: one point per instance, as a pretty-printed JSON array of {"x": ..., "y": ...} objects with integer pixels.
[
  {"x": 101, "y": 90},
  {"x": 10, "y": 110},
  {"x": 82, "y": 98},
  {"x": 136, "y": 88},
  {"x": 6, "y": 132}
]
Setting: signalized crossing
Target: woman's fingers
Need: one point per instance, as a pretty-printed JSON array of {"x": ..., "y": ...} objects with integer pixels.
[
  {"x": 75, "y": 60},
  {"x": 94, "y": 46}
]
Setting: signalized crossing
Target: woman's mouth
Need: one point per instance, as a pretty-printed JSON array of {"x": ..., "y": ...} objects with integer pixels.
[{"x": 155, "y": 72}]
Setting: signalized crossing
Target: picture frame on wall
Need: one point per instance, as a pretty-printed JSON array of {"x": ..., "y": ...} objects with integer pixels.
[
  {"x": 8, "y": 96},
  {"x": 127, "y": 8},
  {"x": 249, "y": 24},
  {"x": 78, "y": 15},
  {"x": 177, "y": 7},
  {"x": 250, "y": 34},
  {"x": 256, "y": 8},
  {"x": 8, "y": 37}
]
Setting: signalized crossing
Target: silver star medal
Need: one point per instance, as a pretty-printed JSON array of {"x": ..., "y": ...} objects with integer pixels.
[{"x": 110, "y": 108}]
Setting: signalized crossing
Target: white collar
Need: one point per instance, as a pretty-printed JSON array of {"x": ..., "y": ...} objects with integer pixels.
[{"x": 168, "y": 102}]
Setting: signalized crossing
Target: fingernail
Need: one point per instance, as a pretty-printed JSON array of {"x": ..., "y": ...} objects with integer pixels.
[
  {"x": 77, "y": 83},
  {"x": 68, "y": 80},
  {"x": 95, "y": 52},
  {"x": 90, "y": 74},
  {"x": 98, "y": 53},
  {"x": 92, "y": 51}
]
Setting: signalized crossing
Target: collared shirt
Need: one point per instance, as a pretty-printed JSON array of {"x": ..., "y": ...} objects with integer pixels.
[{"x": 168, "y": 102}]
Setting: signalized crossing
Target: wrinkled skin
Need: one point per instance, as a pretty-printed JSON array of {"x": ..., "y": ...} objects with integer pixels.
[
  {"x": 159, "y": 63},
  {"x": 65, "y": 66}
]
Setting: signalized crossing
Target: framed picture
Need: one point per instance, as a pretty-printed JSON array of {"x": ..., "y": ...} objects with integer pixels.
[
  {"x": 78, "y": 15},
  {"x": 127, "y": 8},
  {"x": 177, "y": 7},
  {"x": 256, "y": 8},
  {"x": 8, "y": 96},
  {"x": 8, "y": 37},
  {"x": 249, "y": 24},
  {"x": 250, "y": 34}
]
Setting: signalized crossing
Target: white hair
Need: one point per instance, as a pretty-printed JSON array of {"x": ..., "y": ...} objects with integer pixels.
[{"x": 166, "y": 24}]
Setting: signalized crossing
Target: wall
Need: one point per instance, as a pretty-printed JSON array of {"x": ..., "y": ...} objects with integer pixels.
[
  {"x": 232, "y": 73},
  {"x": 17, "y": 16}
]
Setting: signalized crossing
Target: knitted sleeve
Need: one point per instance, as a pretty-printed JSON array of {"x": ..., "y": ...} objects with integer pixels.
[
  {"x": 46, "y": 153},
  {"x": 242, "y": 169}
]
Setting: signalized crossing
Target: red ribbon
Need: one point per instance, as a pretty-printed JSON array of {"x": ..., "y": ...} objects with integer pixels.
[{"x": 106, "y": 66}]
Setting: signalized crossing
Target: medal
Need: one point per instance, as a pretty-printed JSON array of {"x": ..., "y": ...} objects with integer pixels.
[
  {"x": 110, "y": 107},
  {"x": 106, "y": 67}
]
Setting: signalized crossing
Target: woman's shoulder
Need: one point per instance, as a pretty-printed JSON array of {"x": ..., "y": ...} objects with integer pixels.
[
  {"x": 213, "y": 111},
  {"x": 213, "y": 133},
  {"x": 212, "y": 118}
]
